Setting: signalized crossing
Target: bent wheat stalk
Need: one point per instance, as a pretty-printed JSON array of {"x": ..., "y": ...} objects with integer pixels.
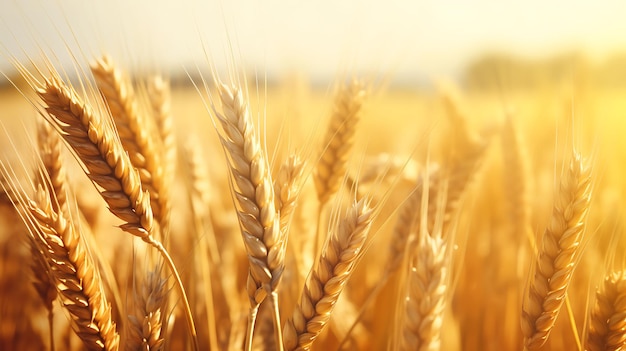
[
  {"x": 553, "y": 269},
  {"x": 109, "y": 168}
]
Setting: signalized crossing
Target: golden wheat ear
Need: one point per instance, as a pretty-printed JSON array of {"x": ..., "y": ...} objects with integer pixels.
[
  {"x": 109, "y": 168},
  {"x": 253, "y": 192},
  {"x": 552, "y": 272},
  {"x": 328, "y": 278},
  {"x": 607, "y": 325},
  {"x": 136, "y": 132},
  {"x": 332, "y": 164},
  {"x": 146, "y": 323},
  {"x": 69, "y": 266}
]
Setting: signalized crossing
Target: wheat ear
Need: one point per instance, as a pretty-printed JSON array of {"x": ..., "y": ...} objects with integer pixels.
[
  {"x": 147, "y": 323},
  {"x": 331, "y": 167},
  {"x": 467, "y": 154},
  {"x": 108, "y": 167},
  {"x": 73, "y": 271},
  {"x": 327, "y": 280},
  {"x": 607, "y": 325},
  {"x": 426, "y": 295},
  {"x": 105, "y": 161},
  {"x": 134, "y": 131},
  {"x": 552, "y": 271},
  {"x": 287, "y": 188},
  {"x": 160, "y": 101},
  {"x": 50, "y": 152},
  {"x": 253, "y": 191}
]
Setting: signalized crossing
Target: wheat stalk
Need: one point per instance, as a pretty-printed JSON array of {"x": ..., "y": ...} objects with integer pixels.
[
  {"x": 553, "y": 269},
  {"x": 607, "y": 323},
  {"x": 327, "y": 280},
  {"x": 43, "y": 285},
  {"x": 209, "y": 256}
]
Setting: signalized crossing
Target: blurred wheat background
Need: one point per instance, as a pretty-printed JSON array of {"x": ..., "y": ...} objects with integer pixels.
[{"x": 285, "y": 149}]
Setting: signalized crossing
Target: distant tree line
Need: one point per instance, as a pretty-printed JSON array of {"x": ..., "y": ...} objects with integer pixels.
[{"x": 498, "y": 70}]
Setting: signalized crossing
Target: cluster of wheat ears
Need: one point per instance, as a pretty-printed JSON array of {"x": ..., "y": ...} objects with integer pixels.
[{"x": 313, "y": 248}]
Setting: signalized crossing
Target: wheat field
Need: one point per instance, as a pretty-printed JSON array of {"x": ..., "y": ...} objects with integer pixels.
[{"x": 228, "y": 215}]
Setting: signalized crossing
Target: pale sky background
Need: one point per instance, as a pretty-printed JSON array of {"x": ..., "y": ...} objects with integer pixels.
[{"x": 427, "y": 39}]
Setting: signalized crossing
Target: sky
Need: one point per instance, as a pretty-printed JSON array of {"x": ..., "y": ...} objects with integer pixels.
[{"x": 316, "y": 38}]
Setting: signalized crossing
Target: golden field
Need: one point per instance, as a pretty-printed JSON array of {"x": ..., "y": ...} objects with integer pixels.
[{"x": 502, "y": 165}]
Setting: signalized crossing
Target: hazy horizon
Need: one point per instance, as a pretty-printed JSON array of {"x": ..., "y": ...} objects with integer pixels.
[{"x": 421, "y": 39}]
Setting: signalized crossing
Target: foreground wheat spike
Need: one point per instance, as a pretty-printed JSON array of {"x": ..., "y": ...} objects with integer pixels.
[
  {"x": 552, "y": 271},
  {"x": 109, "y": 167},
  {"x": 426, "y": 295},
  {"x": 135, "y": 131},
  {"x": 327, "y": 280},
  {"x": 607, "y": 323},
  {"x": 338, "y": 140},
  {"x": 147, "y": 322},
  {"x": 107, "y": 164},
  {"x": 253, "y": 191},
  {"x": 73, "y": 271}
]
